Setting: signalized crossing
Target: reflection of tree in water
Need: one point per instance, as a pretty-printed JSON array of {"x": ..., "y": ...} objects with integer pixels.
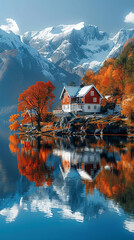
[
  {"x": 13, "y": 145},
  {"x": 115, "y": 179},
  {"x": 32, "y": 158}
]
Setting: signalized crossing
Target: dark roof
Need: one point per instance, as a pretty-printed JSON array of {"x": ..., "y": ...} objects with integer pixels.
[{"x": 78, "y": 91}]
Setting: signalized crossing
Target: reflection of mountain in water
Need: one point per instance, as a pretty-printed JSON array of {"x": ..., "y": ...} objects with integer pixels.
[
  {"x": 79, "y": 178},
  {"x": 67, "y": 198}
]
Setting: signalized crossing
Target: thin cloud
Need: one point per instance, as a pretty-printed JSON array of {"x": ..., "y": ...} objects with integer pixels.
[
  {"x": 7, "y": 109},
  {"x": 129, "y": 18},
  {"x": 11, "y": 26}
]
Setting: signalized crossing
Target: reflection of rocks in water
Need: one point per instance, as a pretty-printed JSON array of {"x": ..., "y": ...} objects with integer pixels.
[
  {"x": 116, "y": 141},
  {"x": 75, "y": 166}
]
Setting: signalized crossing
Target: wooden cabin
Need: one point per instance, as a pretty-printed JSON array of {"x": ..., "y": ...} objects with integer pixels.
[{"x": 85, "y": 99}]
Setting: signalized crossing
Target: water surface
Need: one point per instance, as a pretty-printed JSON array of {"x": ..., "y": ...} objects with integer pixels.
[{"x": 71, "y": 188}]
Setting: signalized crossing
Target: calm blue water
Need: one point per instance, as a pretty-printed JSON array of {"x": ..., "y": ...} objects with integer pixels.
[{"x": 66, "y": 189}]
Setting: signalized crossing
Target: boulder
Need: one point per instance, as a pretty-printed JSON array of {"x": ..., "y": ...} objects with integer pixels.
[
  {"x": 63, "y": 122},
  {"x": 60, "y": 133},
  {"x": 77, "y": 120},
  {"x": 57, "y": 124},
  {"x": 71, "y": 130},
  {"x": 97, "y": 131},
  {"x": 90, "y": 128},
  {"x": 113, "y": 128}
]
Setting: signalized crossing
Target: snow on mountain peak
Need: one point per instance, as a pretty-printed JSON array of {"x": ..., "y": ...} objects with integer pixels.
[
  {"x": 69, "y": 28},
  {"x": 65, "y": 28},
  {"x": 123, "y": 35},
  {"x": 77, "y": 47},
  {"x": 11, "y": 26},
  {"x": 74, "y": 47}
]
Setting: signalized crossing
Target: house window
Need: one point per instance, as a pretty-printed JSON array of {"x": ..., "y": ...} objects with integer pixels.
[
  {"x": 94, "y": 99},
  {"x": 88, "y": 107},
  {"x": 94, "y": 107},
  {"x": 92, "y": 93},
  {"x": 81, "y": 100}
]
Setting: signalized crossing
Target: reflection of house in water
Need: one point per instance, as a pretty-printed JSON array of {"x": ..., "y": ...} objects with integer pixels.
[
  {"x": 86, "y": 162},
  {"x": 27, "y": 143}
]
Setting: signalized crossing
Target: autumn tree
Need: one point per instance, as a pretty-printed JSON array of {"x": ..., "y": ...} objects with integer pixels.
[
  {"x": 89, "y": 78},
  {"x": 34, "y": 103},
  {"x": 116, "y": 79},
  {"x": 128, "y": 108}
]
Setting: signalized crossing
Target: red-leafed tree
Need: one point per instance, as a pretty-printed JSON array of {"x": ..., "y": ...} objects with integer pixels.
[
  {"x": 35, "y": 102},
  {"x": 37, "y": 98}
]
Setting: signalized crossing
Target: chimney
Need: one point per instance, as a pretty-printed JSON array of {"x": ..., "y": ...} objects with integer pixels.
[{"x": 82, "y": 85}]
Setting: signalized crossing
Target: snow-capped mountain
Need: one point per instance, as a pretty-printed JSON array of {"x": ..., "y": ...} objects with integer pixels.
[
  {"x": 21, "y": 66},
  {"x": 60, "y": 54},
  {"x": 76, "y": 48}
]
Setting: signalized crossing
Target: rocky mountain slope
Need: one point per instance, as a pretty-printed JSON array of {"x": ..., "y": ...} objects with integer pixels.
[
  {"x": 20, "y": 66},
  {"x": 76, "y": 48}
]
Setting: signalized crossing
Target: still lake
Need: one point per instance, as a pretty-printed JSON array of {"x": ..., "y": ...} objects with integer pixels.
[{"x": 70, "y": 188}]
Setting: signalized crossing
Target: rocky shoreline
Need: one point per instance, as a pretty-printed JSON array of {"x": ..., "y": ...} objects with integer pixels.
[
  {"x": 80, "y": 126},
  {"x": 91, "y": 126}
]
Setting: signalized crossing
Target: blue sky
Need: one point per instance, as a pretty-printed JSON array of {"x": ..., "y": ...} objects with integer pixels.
[{"x": 108, "y": 15}]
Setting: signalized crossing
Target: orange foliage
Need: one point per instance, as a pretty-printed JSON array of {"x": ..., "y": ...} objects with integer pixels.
[
  {"x": 13, "y": 148},
  {"x": 14, "y": 126},
  {"x": 33, "y": 166},
  {"x": 128, "y": 108},
  {"x": 113, "y": 80},
  {"x": 111, "y": 184},
  {"x": 34, "y": 104},
  {"x": 119, "y": 77},
  {"x": 33, "y": 163},
  {"x": 14, "y": 117},
  {"x": 39, "y": 98},
  {"x": 14, "y": 139},
  {"x": 27, "y": 118},
  {"x": 104, "y": 102},
  {"x": 89, "y": 78}
]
